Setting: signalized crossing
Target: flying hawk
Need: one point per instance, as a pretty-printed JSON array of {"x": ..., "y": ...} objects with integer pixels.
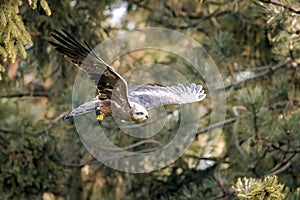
[{"x": 114, "y": 98}]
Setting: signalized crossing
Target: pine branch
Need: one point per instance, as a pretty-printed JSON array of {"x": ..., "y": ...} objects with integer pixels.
[
  {"x": 50, "y": 125},
  {"x": 268, "y": 71},
  {"x": 277, "y": 3},
  {"x": 141, "y": 4},
  {"x": 266, "y": 188},
  {"x": 8, "y": 131},
  {"x": 255, "y": 122}
]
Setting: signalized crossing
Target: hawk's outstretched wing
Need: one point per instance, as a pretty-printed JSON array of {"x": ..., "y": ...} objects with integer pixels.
[
  {"x": 109, "y": 83},
  {"x": 155, "y": 96}
]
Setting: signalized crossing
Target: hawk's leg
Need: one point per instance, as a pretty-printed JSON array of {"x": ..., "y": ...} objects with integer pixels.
[{"x": 100, "y": 117}]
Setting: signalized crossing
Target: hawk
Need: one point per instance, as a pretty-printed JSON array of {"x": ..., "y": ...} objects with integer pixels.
[{"x": 114, "y": 97}]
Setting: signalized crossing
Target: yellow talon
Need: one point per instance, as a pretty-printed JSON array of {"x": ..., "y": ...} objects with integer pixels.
[{"x": 100, "y": 117}]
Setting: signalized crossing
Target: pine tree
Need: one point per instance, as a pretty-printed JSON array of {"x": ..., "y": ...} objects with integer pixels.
[
  {"x": 256, "y": 47},
  {"x": 14, "y": 36}
]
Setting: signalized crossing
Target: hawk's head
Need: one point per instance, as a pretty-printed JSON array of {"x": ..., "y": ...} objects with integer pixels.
[{"x": 138, "y": 112}]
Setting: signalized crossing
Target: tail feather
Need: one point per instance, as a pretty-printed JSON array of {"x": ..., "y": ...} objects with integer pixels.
[{"x": 85, "y": 108}]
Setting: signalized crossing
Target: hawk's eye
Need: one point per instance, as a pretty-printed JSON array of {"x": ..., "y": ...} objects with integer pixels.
[{"x": 139, "y": 113}]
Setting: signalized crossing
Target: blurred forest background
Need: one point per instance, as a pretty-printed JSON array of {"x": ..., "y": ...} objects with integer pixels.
[{"x": 256, "y": 46}]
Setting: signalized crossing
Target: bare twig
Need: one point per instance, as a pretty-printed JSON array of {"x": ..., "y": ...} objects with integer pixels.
[
  {"x": 37, "y": 94},
  {"x": 60, "y": 116},
  {"x": 80, "y": 165},
  {"x": 54, "y": 121},
  {"x": 255, "y": 122},
  {"x": 8, "y": 131},
  {"x": 94, "y": 161},
  {"x": 219, "y": 124},
  {"x": 130, "y": 146},
  {"x": 234, "y": 129},
  {"x": 284, "y": 164}
]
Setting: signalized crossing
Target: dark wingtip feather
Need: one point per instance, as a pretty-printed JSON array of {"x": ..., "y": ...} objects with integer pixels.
[
  {"x": 66, "y": 44},
  {"x": 69, "y": 116},
  {"x": 53, "y": 43}
]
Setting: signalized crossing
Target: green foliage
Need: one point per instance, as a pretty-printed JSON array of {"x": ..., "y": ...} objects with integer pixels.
[
  {"x": 13, "y": 32},
  {"x": 224, "y": 46},
  {"x": 14, "y": 36},
  {"x": 44, "y": 5},
  {"x": 283, "y": 28},
  {"x": 268, "y": 188},
  {"x": 30, "y": 166},
  {"x": 293, "y": 195},
  {"x": 255, "y": 45}
]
